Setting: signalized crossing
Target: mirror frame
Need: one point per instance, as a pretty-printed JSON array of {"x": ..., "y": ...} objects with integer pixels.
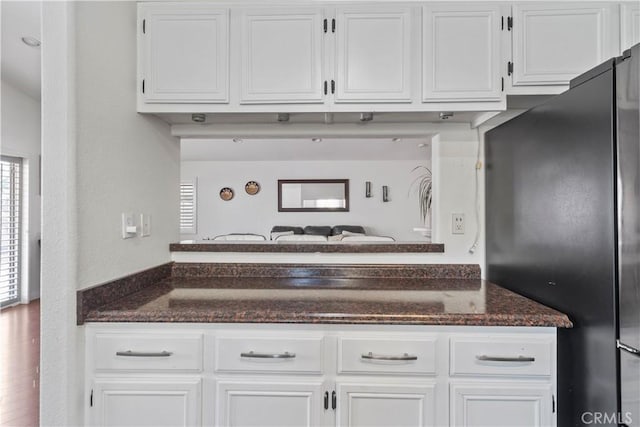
[{"x": 314, "y": 181}]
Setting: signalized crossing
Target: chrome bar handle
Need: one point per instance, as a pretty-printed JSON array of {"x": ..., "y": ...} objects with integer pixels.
[
  {"x": 627, "y": 348},
  {"x": 486, "y": 358},
  {"x": 130, "y": 353},
  {"x": 371, "y": 356},
  {"x": 252, "y": 354}
]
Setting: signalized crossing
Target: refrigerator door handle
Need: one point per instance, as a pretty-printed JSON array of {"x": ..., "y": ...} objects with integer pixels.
[{"x": 627, "y": 348}]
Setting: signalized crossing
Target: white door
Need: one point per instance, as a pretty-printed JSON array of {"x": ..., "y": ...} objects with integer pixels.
[
  {"x": 269, "y": 404},
  {"x": 373, "y": 54},
  {"x": 629, "y": 25},
  {"x": 184, "y": 53},
  {"x": 153, "y": 403},
  {"x": 282, "y": 55},
  {"x": 385, "y": 405},
  {"x": 461, "y": 52},
  {"x": 555, "y": 42},
  {"x": 501, "y": 405}
]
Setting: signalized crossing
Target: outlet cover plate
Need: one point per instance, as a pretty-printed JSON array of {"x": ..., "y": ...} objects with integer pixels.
[{"x": 457, "y": 223}]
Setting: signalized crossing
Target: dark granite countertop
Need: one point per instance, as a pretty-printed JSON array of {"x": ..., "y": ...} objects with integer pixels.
[
  {"x": 372, "y": 300},
  {"x": 309, "y": 247}
]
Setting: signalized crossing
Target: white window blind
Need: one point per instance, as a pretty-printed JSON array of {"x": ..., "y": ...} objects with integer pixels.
[
  {"x": 10, "y": 201},
  {"x": 188, "y": 189}
]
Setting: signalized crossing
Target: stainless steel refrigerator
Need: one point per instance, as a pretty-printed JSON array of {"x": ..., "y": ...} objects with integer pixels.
[{"x": 563, "y": 228}]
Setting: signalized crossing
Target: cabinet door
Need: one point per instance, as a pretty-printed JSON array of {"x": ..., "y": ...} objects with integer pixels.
[
  {"x": 281, "y": 55},
  {"x": 555, "y": 42},
  {"x": 269, "y": 404},
  {"x": 501, "y": 405},
  {"x": 373, "y": 54},
  {"x": 133, "y": 402},
  {"x": 461, "y": 53},
  {"x": 184, "y": 53},
  {"x": 629, "y": 25},
  {"x": 385, "y": 405}
]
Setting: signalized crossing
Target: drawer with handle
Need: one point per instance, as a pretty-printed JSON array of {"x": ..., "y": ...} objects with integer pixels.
[
  {"x": 148, "y": 352},
  {"x": 387, "y": 356},
  {"x": 501, "y": 356},
  {"x": 269, "y": 354}
]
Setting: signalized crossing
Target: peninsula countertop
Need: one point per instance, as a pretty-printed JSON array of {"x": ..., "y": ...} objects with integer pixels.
[{"x": 343, "y": 300}]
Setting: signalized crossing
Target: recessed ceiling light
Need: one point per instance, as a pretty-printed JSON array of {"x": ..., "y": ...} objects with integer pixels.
[
  {"x": 366, "y": 117},
  {"x": 237, "y": 140},
  {"x": 316, "y": 139},
  {"x": 198, "y": 117},
  {"x": 396, "y": 139},
  {"x": 422, "y": 145},
  {"x": 31, "y": 41}
]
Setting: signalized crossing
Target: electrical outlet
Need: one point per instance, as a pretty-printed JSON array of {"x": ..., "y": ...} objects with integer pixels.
[
  {"x": 145, "y": 225},
  {"x": 457, "y": 222}
]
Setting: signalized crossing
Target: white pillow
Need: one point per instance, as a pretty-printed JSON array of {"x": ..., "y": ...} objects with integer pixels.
[
  {"x": 363, "y": 238},
  {"x": 301, "y": 238},
  {"x": 350, "y": 233},
  {"x": 276, "y": 234},
  {"x": 240, "y": 237}
]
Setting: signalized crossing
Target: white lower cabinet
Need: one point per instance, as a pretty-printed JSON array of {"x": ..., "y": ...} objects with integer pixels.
[
  {"x": 146, "y": 402},
  {"x": 260, "y": 403},
  {"x": 319, "y": 375},
  {"x": 379, "y": 404},
  {"x": 492, "y": 404}
]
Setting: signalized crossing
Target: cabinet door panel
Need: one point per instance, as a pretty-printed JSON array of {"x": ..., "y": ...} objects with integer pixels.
[
  {"x": 373, "y": 55},
  {"x": 384, "y": 405},
  {"x": 500, "y": 405},
  {"x": 282, "y": 55},
  {"x": 185, "y": 53},
  {"x": 553, "y": 43},
  {"x": 461, "y": 53},
  {"x": 629, "y": 25},
  {"x": 265, "y": 404},
  {"x": 150, "y": 403}
]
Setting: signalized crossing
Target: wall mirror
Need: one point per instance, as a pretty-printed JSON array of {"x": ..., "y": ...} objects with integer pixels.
[{"x": 313, "y": 195}]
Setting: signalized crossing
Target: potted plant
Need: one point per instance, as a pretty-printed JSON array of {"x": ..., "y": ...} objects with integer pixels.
[{"x": 424, "y": 186}]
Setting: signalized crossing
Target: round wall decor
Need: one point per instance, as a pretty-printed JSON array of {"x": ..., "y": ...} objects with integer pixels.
[
  {"x": 252, "y": 188},
  {"x": 226, "y": 194}
]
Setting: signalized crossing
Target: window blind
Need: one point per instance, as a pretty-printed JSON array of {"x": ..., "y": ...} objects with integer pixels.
[
  {"x": 10, "y": 207},
  {"x": 188, "y": 207}
]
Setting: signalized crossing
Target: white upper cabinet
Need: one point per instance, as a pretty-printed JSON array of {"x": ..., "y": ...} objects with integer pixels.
[
  {"x": 184, "y": 53},
  {"x": 555, "y": 42},
  {"x": 281, "y": 55},
  {"x": 461, "y": 52},
  {"x": 629, "y": 25},
  {"x": 373, "y": 54}
]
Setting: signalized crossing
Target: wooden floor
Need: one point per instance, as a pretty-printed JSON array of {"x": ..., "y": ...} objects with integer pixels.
[{"x": 19, "y": 365}]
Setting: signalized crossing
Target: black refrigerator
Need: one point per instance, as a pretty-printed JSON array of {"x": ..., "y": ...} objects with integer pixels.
[{"x": 563, "y": 228}]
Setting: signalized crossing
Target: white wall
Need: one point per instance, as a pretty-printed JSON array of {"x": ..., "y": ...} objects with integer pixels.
[
  {"x": 21, "y": 138},
  {"x": 127, "y": 162},
  {"x": 259, "y": 213},
  {"x": 100, "y": 158}
]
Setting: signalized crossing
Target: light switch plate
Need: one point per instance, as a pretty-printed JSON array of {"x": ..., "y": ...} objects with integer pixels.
[
  {"x": 145, "y": 225},
  {"x": 129, "y": 228}
]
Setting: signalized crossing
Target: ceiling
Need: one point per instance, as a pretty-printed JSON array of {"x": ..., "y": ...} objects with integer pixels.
[
  {"x": 21, "y": 63},
  {"x": 305, "y": 149}
]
